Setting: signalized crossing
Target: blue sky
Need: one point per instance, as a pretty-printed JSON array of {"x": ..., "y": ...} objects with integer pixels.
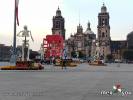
[{"x": 37, "y": 15}]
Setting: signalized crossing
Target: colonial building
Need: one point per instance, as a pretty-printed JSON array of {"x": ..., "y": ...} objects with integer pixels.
[
  {"x": 81, "y": 41},
  {"x": 58, "y": 24},
  {"x": 103, "y": 32},
  {"x": 117, "y": 48},
  {"x": 99, "y": 48}
]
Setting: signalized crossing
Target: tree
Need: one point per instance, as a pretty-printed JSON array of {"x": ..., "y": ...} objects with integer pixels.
[
  {"x": 81, "y": 55},
  {"x": 33, "y": 55},
  {"x": 128, "y": 54},
  {"x": 109, "y": 57},
  {"x": 73, "y": 53}
]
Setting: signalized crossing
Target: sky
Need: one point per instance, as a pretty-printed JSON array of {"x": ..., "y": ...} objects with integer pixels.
[{"x": 38, "y": 14}]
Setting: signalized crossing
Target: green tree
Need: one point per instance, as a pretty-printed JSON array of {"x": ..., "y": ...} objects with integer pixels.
[
  {"x": 73, "y": 53},
  {"x": 33, "y": 55},
  {"x": 128, "y": 54},
  {"x": 109, "y": 57},
  {"x": 81, "y": 55}
]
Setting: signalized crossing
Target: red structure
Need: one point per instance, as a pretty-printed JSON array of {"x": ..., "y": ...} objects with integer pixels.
[{"x": 53, "y": 45}]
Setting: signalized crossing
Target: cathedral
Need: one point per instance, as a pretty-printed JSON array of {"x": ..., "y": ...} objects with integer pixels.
[
  {"x": 81, "y": 41},
  {"x": 86, "y": 43}
]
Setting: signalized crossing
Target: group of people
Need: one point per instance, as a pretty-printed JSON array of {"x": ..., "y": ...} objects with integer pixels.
[{"x": 53, "y": 61}]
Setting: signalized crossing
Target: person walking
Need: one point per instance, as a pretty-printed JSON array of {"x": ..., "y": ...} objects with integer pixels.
[{"x": 64, "y": 59}]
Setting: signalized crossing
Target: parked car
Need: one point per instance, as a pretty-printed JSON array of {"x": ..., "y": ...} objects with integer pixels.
[
  {"x": 81, "y": 60},
  {"x": 118, "y": 61}
]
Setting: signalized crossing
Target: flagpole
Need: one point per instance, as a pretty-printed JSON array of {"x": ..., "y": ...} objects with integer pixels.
[{"x": 14, "y": 37}]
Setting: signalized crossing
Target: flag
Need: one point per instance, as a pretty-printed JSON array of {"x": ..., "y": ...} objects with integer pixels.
[{"x": 16, "y": 9}]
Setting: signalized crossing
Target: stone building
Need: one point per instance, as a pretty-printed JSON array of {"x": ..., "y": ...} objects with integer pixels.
[
  {"x": 89, "y": 37},
  {"x": 58, "y": 24},
  {"x": 117, "y": 48},
  {"x": 100, "y": 47},
  {"x": 81, "y": 41},
  {"x": 103, "y": 33}
]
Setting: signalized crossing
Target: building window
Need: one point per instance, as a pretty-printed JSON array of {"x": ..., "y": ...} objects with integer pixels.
[
  {"x": 57, "y": 24},
  {"x": 103, "y": 34},
  {"x": 106, "y": 22},
  {"x": 103, "y": 22}
]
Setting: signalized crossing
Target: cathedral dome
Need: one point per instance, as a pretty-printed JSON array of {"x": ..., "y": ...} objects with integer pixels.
[
  {"x": 88, "y": 30},
  {"x": 58, "y": 12},
  {"x": 103, "y": 8}
]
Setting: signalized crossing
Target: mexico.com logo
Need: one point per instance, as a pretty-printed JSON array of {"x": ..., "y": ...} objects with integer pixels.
[{"x": 117, "y": 91}]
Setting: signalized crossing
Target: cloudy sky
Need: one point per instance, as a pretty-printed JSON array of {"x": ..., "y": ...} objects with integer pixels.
[{"x": 37, "y": 15}]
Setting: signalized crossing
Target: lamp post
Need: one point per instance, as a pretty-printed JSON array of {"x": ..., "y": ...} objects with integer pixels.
[
  {"x": 118, "y": 58},
  {"x": 13, "y": 56}
]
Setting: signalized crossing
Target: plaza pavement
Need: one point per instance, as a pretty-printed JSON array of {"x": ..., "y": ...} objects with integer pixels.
[{"x": 83, "y": 82}]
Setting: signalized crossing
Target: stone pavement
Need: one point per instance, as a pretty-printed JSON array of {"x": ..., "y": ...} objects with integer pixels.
[{"x": 81, "y": 83}]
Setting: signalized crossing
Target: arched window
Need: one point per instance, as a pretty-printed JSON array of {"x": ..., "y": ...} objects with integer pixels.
[
  {"x": 103, "y": 34},
  {"x": 57, "y": 24}
]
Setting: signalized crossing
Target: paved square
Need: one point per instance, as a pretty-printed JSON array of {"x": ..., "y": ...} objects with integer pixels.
[{"x": 81, "y": 83}]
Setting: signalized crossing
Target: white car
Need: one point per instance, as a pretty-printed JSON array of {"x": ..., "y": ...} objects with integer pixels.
[{"x": 81, "y": 60}]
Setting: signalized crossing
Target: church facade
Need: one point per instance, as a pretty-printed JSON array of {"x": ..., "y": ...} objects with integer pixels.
[
  {"x": 58, "y": 24},
  {"x": 81, "y": 41},
  {"x": 86, "y": 41}
]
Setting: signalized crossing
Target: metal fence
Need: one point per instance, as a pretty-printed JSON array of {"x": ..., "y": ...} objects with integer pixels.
[{"x": 5, "y": 64}]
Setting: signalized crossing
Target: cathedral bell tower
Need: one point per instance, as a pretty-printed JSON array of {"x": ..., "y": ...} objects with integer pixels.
[
  {"x": 58, "y": 24},
  {"x": 103, "y": 31}
]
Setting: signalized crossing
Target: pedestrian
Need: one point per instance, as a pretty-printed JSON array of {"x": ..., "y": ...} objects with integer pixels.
[{"x": 63, "y": 63}]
